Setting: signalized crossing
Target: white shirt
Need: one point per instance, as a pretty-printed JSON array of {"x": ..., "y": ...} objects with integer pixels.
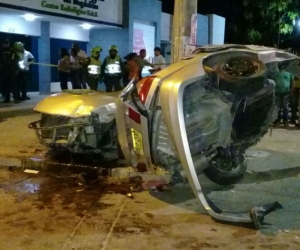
[
  {"x": 26, "y": 55},
  {"x": 82, "y": 54},
  {"x": 161, "y": 61}
]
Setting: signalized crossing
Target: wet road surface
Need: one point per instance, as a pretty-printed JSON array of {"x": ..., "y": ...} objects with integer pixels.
[
  {"x": 57, "y": 211},
  {"x": 51, "y": 211}
]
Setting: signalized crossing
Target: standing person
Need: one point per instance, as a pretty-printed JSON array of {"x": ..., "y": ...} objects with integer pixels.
[
  {"x": 126, "y": 70},
  {"x": 82, "y": 73},
  {"x": 9, "y": 67},
  {"x": 142, "y": 62},
  {"x": 159, "y": 61},
  {"x": 94, "y": 68},
  {"x": 76, "y": 69},
  {"x": 284, "y": 84},
  {"x": 112, "y": 70},
  {"x": 64, "y": 66},
  {"x": 26, "y": 59},
  {"x": 133, "y": 68},
  {"x": 295, "y": 97},
  {"x": 295, "y": 101},
  {"x": 1, "y": 80}
]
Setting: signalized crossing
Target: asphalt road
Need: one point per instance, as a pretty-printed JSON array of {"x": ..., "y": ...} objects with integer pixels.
[{"x": 60, "y": 211}]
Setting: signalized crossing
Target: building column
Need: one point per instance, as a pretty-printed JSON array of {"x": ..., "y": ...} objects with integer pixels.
[
  {"x": 183, "y": 11},
  {"x": 44, "y": 57}
]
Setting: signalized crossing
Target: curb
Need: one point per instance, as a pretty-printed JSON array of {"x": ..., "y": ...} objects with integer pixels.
[
  {"x": 112, "y": 174},
  {"x": 16, "y": 112}
]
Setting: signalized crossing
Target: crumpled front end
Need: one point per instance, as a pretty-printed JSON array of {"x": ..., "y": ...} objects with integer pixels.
[{"x": 79, "y": 121}]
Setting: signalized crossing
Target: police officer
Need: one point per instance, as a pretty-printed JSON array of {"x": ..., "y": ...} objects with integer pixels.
[
  {"x": 94, "y": 68},
  {"x": 112, "y": 70},
  {"x": 9, "y": 67}
]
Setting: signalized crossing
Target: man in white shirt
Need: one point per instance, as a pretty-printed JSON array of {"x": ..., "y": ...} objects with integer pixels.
[
  {"x": 159, "y": 60},
  {"x": 83, "y": 55},
  {"x": 26, "y": 59},
  {"x": 80, "y": 52}
]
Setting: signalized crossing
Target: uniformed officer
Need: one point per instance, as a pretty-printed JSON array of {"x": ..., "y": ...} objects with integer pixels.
[
  {"x": 9, "y": 67},
  {"x": 112, "y": 70},
  {"x": 94, "y": 68}
]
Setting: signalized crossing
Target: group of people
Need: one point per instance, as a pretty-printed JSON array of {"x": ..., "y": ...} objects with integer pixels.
[
  {"x": 287, "y": 89},
  {"x": 14, "y": 67},
  {"x": 83, "y": 70}
]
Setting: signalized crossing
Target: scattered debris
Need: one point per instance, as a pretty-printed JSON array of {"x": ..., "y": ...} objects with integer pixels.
[
  {"x": 23, "y": 152},
  {"x": 136, "y": 183},
  {"x": 153, "y": 184},
  {"x": 31, "y": 171},
  {"x": 141, "y": 167},
  {"x": 12, "y": 168},
  {"x": 162, "y": 187},
  {"x": 37, "y": 150},
  {"x": 79, "y": 190},
  {"x": 129, "y": 195}
]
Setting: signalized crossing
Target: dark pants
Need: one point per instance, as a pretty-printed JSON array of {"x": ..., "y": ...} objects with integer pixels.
[
  {"x": 22, "y": 83},
  {"x": 63, "y": 77},
  {"x": 9, "y": 86},
  {"x": 1, "y": 84},
  {"x": 93, "y": 83},
  {"x": 282, "y": 101},
  {"x": 82, "y": 79},
  {"x": 75, "y": 79},
  {"x": 112, "y": 82},
  {"x": 294, "y": 103}
]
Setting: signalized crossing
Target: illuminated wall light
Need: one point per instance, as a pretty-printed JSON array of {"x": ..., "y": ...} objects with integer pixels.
[
  {"x": 29, "y": 17},
  {"x": 86, "y": 26}
]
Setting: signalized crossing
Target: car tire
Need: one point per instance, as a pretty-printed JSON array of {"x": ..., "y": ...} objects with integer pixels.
[
  {"x": 234, "y": 84},
  {"x": 224, "y": 177}
]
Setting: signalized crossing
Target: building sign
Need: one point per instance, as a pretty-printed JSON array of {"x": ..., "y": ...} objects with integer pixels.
[
  {"x": 138, "y": 40},
  {"x": 192, "y": 41},
  {"x": 193, "y": 37},
  {"x": 98, "y": 11}
]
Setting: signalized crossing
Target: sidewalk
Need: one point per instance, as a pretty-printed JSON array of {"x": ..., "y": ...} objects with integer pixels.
[{"x": 9, "y": 110}]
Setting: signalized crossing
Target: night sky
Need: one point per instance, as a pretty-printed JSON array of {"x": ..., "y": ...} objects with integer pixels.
[
  {"x": 219, "y": 7},
  {"x": 229, "y": 9}
]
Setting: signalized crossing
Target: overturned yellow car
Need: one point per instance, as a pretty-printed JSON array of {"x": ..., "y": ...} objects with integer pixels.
[{"x": 198, "y": 115}]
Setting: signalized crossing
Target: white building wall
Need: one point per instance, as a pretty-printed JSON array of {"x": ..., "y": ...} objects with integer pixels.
[
  {"x": 17, "y": 25},
  {"x": 216, "y": 29},
  {"x": 166, "y": 27},
  {"x": 210, "y": 29},
  {"x": 69, "y": 32}
]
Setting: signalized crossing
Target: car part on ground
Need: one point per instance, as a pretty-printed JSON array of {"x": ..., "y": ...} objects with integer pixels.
[{"x": 198, "y": 115}]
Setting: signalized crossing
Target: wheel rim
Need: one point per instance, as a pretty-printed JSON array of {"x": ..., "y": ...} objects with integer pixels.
[{"x": 228, "y": 165}]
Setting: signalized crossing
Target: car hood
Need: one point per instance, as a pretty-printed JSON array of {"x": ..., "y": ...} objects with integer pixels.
[{"x": 75, "y": 103}]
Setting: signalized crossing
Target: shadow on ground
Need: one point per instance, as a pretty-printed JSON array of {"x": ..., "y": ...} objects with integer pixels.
[{"x": 257, "y": 188}]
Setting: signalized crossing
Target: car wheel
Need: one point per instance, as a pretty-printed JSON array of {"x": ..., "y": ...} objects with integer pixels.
[
  {"x": 241, "y": 74},
  {"x": 226, "y": 172}
]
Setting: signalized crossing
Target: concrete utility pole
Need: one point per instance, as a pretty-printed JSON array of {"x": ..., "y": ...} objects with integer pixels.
[{"x": 184, "y": 9}]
